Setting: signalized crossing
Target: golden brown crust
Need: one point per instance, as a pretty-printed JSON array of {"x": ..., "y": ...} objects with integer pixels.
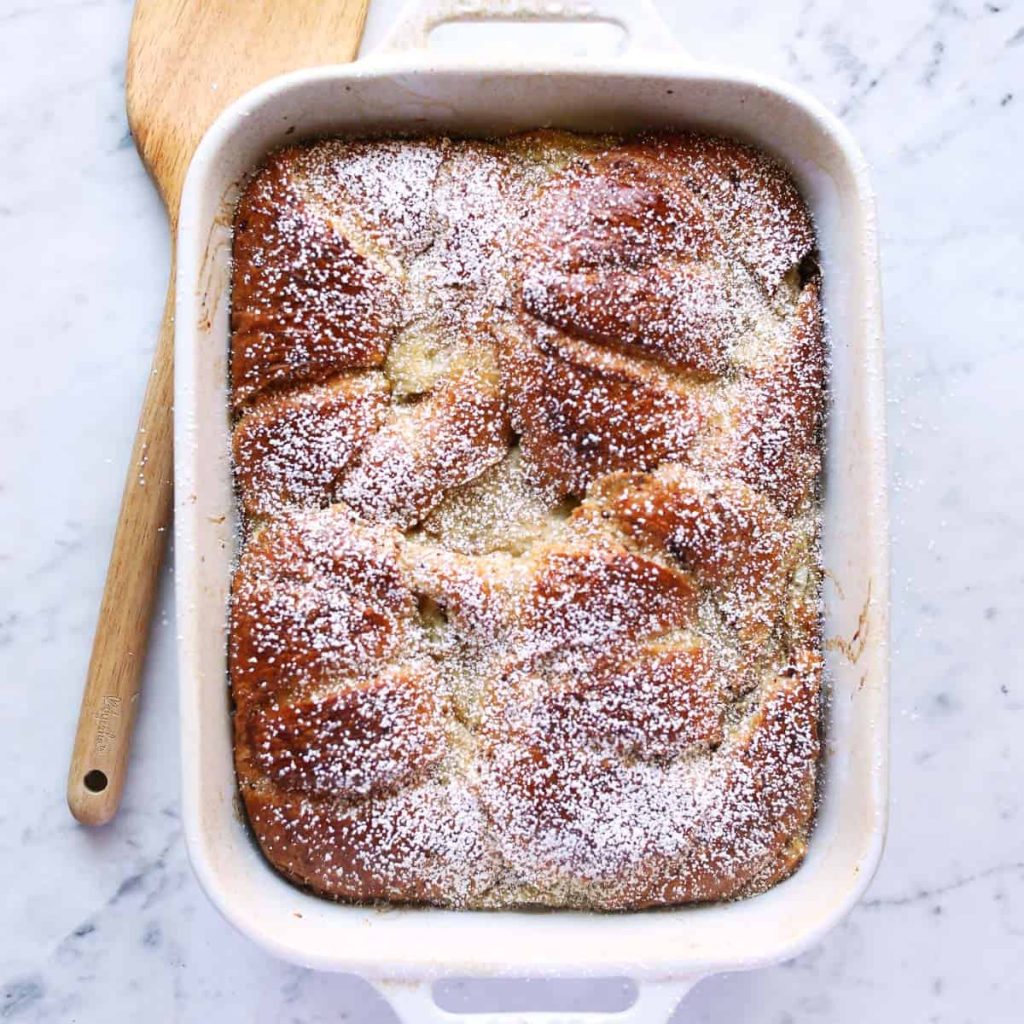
[
  {"x": 582, "y": 413},
  {"x": 378, "y": 192},
  {"x": 588, "y": 819},
  {"x": 294, "y": 448},
  {"x": 619, "y": 254},
  {"x": 314, "y": 594},
  {"x": 351, "y": 738},
  {"x": 410, "y": 846},
  {"x": 752, "y": 201},
  {"x": 447, "y": 439},
  {"x": 768, "y": 428},
  {"x": 674, "y": 697},
  {"x": 527, "y": 447},
  {"x": 305, "y": 303},
  {"x": 591, "y": 595},
  {"x": 729, "y": 535}
]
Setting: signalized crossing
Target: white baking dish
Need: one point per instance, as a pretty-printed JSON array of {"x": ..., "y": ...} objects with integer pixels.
[{"x": 651, "y": 83}]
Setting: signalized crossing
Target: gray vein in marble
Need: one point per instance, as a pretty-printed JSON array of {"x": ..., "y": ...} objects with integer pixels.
[
  {"x": 1017, "y": 867},
  {"x": 944, "y": 11},
  {"x": 18, "y": 996},
  {"x": 150, "y": 879}
]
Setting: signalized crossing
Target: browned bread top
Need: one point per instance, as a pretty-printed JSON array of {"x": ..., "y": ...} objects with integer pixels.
[{"x": 527, "y": 446}]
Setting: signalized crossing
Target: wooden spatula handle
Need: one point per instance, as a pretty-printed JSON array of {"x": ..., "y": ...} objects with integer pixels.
[{"x": 107, "y": 717}]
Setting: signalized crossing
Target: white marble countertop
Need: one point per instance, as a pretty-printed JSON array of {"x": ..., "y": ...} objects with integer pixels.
[{"x": 110, "y": 925}]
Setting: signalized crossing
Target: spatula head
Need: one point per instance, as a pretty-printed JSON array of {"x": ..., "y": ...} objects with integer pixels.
[{"x": 188, "y": 59}]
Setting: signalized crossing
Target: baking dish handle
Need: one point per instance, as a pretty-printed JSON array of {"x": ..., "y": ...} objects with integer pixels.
[
  {"x": 644, "y": 30},
  {"x": 413, "y": 1002}
]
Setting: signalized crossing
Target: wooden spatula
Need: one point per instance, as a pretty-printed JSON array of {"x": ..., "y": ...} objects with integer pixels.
[{"x": 187, "y": 60}]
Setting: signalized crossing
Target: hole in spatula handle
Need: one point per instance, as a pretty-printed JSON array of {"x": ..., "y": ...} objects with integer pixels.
[{"x": 95, "y": 781}]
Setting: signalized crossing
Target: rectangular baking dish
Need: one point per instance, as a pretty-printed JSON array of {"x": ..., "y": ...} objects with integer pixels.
[{"x": 650, "y": 83}]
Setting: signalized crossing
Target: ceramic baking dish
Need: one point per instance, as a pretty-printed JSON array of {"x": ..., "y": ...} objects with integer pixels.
[{"x": 649, "y": 83}]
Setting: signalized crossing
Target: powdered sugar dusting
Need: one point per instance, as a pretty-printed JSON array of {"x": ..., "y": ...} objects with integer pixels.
[
  {"x": 527, "y": 447},
  {"x": 306, "y": 303},
  {"x": 381, "y": 189},
  {"x": 294, "y": 449}
]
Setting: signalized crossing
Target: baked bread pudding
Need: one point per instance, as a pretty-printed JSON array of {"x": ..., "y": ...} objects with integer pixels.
[{"x": 527, "y": 446}]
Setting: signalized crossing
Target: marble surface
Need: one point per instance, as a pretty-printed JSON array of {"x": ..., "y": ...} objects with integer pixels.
[{"x": 110, "y": 925}]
